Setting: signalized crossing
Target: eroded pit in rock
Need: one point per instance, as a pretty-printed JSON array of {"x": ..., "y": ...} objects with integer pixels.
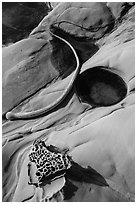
[{"x": 99, "y": 86}]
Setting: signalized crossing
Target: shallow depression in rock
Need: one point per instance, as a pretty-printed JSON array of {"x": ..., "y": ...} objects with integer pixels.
[{"x": 99, "y": 86}]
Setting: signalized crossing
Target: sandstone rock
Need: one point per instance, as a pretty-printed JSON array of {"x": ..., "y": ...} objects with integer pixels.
[
  {"x": 87, "y": 18},
  {"x": 54, "y": 4},
  {"x": 100, "y": 137},
  {"x": 38, "y": 66},
  {"x": 119, "y": 8},
  {"x": 26, "y": 70},
  {"x": 90, "y": 18},
  {"x": 19, "y": 19}
]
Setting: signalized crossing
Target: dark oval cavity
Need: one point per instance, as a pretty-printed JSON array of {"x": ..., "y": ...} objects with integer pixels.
[{"x": 99, "y": 86}]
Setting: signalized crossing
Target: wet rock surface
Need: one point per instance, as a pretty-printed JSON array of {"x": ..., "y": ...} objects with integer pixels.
[{"x": 94, "y": 122}]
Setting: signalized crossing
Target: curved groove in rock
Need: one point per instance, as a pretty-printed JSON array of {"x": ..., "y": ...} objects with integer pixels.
[
  {"x": 45, "y": 110},
  {"x": 100, "y": 87}
]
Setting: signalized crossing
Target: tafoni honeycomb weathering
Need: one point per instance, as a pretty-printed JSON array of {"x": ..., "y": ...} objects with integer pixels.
[{"x": 68, "y": 106}]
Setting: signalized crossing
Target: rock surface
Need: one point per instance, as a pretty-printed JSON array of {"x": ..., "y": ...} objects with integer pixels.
[
  {"x": 19, "y": 19},
  {"x": 38, "y": 69}
]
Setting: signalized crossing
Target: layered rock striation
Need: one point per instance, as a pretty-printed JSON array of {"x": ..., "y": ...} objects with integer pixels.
[{"x": 94, "y": 122}]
